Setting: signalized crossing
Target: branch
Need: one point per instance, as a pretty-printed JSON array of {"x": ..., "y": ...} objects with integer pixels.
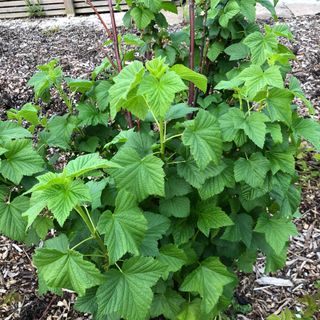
[
  {"x": 117, "y": 52},
  {"x": 204, "y": 47},
  {"x": 115, "y": 35},
  {"x": 191, "y": 49},
  {"x": 109, "y": 33}
]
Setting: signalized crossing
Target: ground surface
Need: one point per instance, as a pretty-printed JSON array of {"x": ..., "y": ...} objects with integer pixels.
[{"x": 23, "y": 46}]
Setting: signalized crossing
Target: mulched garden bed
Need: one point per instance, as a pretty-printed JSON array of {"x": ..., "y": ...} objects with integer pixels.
[{"x": 24, "y": 45}]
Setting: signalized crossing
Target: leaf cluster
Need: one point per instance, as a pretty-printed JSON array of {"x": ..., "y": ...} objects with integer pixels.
[{"x": 157, "y": 219}]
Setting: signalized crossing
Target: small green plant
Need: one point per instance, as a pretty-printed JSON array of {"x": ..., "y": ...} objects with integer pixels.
[
  {"x": 34, "y": 8},
  {"x": 169, "y": 189},
  {"x": 310, "y": 310},
  {"x": 51, "y": 31}
]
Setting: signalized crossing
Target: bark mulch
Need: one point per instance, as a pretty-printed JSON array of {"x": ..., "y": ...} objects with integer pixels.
[{"x": 24, "y": 45}]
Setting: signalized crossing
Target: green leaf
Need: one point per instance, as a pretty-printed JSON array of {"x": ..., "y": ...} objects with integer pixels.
[
  {"x": 66, "y": 269},
  {"x": 28, "y": 112},
  {"x": 88, "y": 302},
  {"x": 192, "y": 311},
  {"x": 157, "y": 227},
  {"x": 59, "y": 130},
  {"x": 276, "y": 231},
  {"x": 178, "y": 111},
  {"x": 141, "y": 142},
  {"x": 209, "y": 280},
  {"x": 172, "y": 258},
  {"x": 133, "y": 40},
  {"x": 288, "y": 198},
  {"x": 137, "y": 105},
  {"x": 43, "y": 288},
  {"x": 191, "y": 172},
  {"x": 41, "y": 85},
  {"x": 62, "y": 198},
  {"x": 279, "y": 105},
  {"x": 141, "y": 16},
  {"x": 157, "y": 67},
  {"x": 230, "y": 10},
  {"x": 214, "y": 51},
  {"x": 134, "y": 282},
  {"x": 255, "y": 128},
  {"x": 89, "y": 144},
  {"x": 59, "y": 193},
  {"x": 248, "y": 9},
  {"x": 182, "y": 231},
  {"x": 282, "y": 30},
  {"x": 160, "y": 93},
  {"x": 95, "y": 189},
  {"x": 233, "y": 121},
  {"x": 11, "y": 130},
  {"x": 44, "y": 79},
  {"x": 269, "y": 6},
  {"x": 253, "y": 171},
  {"x": 167, "y": 304},
  {"x": 216, "y": 184},
  {"x": 187, "y": 74},
  {"x": 121, "y": 137},
  {"x": 204, "y": 138},
  {"x": 211, "y": 217},
  {"x": 12, "y": 224},
  {"x": 247, "y": 260},
  {"x": 42, "y": 225},
  {"x": 213, "y": 11},
  {"x": 178, "y": 207},
  {"x": 128, "y": 79},
  {"x": 60, "y": 243},
  {"x": 124, "y": 229},
  {"x": 153, "y": 5},
  {"x": 87, "y": 163},
  {"x": 241, "y": 230},
  {"x": 281, "y": 160},
  {"x": 308, "y": 129},
  {"x": 237, "y": 51},
  {"x": 20, "y": 160},
  {"x": 256, "y": 79},
  {"x": 91, "y": 115},
  {"x": 230, "y": 123},
  {"x": 80, "y": 85},
  {"x": 275, "y": 131},
  {"x": 261, "y": 46},
  {"x": 101, "y": 94},
  {"x": 37, "y": 204},
  {"x": 176, "y": 187},
  {"x": 105, "y": 65},
  {"x": 295, "y": 88},
  {"x": 142, "y": 176},
  {"x": 169, "y": 6}
]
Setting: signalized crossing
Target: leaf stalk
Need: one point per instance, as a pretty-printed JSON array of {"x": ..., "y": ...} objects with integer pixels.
[{"x": 94, "y": 233}]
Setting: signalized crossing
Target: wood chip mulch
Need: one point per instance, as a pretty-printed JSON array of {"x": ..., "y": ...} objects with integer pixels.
[{"x": 22, "y": 48}]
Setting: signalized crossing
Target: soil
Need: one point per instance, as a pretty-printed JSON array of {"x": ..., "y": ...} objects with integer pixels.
[{"x": 23, "y": 46}]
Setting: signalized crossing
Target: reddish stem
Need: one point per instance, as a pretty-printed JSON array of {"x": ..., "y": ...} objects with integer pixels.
[
  {"x": 115, "y": 35},
  {"x": 203, "y": 48},
  {"x": 109, "y": 33},
  {"x": 191, "y": 49},
  {"x": 117, "y": 52}
]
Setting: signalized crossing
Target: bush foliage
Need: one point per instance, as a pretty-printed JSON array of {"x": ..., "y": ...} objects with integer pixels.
[{"x": 170, "y": 190}]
